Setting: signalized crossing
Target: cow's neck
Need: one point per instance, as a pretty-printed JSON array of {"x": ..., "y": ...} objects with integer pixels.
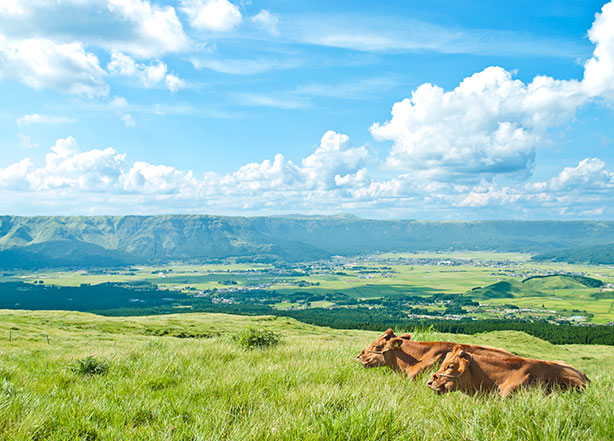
[
  {"x": 496, "y": 368},
  {"x": 407, "y": 356}
]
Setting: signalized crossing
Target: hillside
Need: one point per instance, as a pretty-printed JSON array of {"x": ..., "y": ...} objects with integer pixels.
[
  {"x": 593, "y": 254},
  {"x": 310, "y": 387},
  {"x": 32, "y": 242},
  {"x": 535, "y": 286}
]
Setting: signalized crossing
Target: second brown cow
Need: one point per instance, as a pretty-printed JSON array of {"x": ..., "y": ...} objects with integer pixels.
[{"x": 472, "y": 373}]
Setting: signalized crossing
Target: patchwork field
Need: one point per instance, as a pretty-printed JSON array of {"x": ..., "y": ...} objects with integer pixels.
[
  {"x": 309, "y": 387},
  {"x": 411, "y": 279}
]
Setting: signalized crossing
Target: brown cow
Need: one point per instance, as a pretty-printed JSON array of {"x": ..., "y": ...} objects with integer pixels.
[
  {"x": 412, "y": 357},
  {"x": 472, "y": 373}
]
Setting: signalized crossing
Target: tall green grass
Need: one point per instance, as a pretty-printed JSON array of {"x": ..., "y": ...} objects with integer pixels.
[{"x": 309, "y": 387}]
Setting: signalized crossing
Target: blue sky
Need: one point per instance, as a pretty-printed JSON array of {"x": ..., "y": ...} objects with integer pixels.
[{"x": 430, "y": 110}]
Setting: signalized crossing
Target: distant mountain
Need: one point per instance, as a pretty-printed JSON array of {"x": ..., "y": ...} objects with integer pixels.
[
  {"x": 592, "y": 254},
  {"x": 116, "y": 240}
]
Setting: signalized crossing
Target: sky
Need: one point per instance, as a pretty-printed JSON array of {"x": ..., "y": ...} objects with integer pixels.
[{"x": 438, "y": 110}]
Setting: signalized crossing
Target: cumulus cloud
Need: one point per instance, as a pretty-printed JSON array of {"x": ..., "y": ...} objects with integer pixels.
[
  {"x": 41, "y": 63},
  {"x": 590, "y": 173},
  {"x": 173, "y": 82},
  {"x": 335, "y": 162},
  {"x": 157, "y": 29},
  {"x": 212, "y": 15},
  {"x": 599, "y": 70},
  {"x": 143, "y": 177},
  {"x": 333, "y": 177},
  {"x": 14, "y": 177},
  {"x": 67, "y": 167},
  {"x": 150, "y": 75},
  {"x": 491, "y": 123}
]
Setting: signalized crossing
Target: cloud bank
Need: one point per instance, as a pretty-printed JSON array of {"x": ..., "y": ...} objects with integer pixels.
[{"x": 470, "y": 147}]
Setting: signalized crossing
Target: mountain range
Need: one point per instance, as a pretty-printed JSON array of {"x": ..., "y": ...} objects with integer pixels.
[{"x": 53, "y": 241}]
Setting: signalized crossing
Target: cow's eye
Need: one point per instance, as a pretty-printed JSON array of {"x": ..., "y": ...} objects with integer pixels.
[{"x": 452, "y": 366}]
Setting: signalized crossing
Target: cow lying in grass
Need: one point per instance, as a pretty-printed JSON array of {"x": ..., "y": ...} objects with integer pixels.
[
  {"x": 412, "y": 357},
  {"x": 472, "y": 373}
]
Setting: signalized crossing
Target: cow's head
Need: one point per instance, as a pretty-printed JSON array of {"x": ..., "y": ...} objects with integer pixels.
[
  {"x": 373, "y": 355},
  {"x": 450, "y": 375}
]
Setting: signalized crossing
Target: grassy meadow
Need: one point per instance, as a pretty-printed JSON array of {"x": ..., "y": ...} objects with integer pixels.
[{"x": 309, "y": 387}]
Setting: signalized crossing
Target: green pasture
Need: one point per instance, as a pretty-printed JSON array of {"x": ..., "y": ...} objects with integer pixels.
[{"x": 310, "y": 387}]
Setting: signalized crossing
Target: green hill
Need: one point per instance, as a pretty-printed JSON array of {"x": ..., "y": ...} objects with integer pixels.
[
  {"x": 551, "y": 282},
  {"x": 309, "y": 387},
  {"x": 31, "y": 242},
  {"x": 535, "y": 286},
  {"x": 504, "y": 289}
]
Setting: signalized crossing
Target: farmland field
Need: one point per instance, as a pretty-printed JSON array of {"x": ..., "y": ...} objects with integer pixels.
[{"x": 414, "y": 280}]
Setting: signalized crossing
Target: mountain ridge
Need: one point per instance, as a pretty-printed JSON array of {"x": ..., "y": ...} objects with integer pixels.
[{"x": 145, "y": 239}]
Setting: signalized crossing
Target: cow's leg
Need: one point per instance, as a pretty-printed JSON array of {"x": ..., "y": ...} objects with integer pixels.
[
  {"x": 413, "y": 371},
  {"x": 513, "y": 384}
]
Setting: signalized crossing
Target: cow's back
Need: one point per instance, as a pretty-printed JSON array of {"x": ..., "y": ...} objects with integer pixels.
[{"x": 561, "y": 374}]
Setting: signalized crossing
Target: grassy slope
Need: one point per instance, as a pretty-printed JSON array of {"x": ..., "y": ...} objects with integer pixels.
[{"x": 310, "y": 387}]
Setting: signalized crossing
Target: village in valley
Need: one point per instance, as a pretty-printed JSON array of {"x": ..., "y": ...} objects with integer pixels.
[{"x": 457, "y": 286}]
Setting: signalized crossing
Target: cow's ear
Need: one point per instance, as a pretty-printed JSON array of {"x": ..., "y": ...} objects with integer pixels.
[
  {"x": 458, "y": 349},
  {"x": 389, "y": 334},
  {"x": 396, "y": 343},
  {"x": 405, "y": 336},
  {"x": 462, "y": 353}
]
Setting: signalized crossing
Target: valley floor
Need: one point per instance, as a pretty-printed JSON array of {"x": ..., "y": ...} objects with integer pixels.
[{"x": 309, "y": 387}]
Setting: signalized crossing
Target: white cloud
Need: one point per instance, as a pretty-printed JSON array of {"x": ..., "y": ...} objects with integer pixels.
[
  {"x": 14, "y": 176},
  {"x": 491, "y": 124},
  {"x": 118, "y": 102},
  {"x": 335, "y": 162},
  {"x": 599, "y": 70},
  {"x": 12, "y": 7},
  {"x": 267, "y": 20},
  {"x": 27, "y": 142},
  {"x": 212, "y": 15},
  {"x": 150, "y": 75},
  {"x": 246, "y": 66},
  {"x": 280, "y": 102},
  {"x": 333, "y": 177},
  {"x": 157, "y": 29},
  {"x": 128, "y": 121},
  {"x": 174, "y": 83},
  {"x": 42, "y": 63},
  {"x": 67, "y": 167},
  {"x": 35, "y": 118},
  {"x": 277, "y": 175},
  {"x": 590, "y": 173},
  {"x": 143, "y": 177},
  {"x": 334, "y": 165},
  {"x": 375, "y": 33}
]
